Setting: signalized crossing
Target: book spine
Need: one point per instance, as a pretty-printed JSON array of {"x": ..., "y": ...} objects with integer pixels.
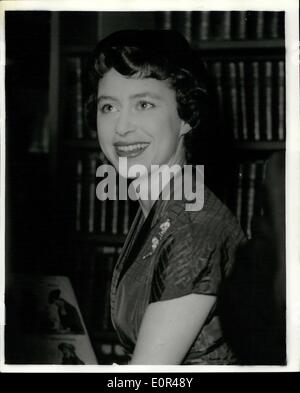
[
  {"x": 182, "y": 22},
  {"x": 188, "y": 25},
  {"x": 255, "y": 24},
  {"x": 79, "y": 101},
  {"x": 111, "y": 213},
  {"x": 92, "y": 192},
  {"x": 88, "y": 276},
  {"x": 233, "y": 99},
  {"x": 98, "y": 282},
  {"x": 272, "y": 28},
  {"x": 268, "y": 100},
  {"x": 164, "y": 20},
  {"x": 239, "y": 24},
  {"x": 126, "y": 217},
  {"x": 100, "y": 205},
  {"x": 259, "y": 183},
  {"x": 260, "y": 19},
  {"x": 256, "y": 100},
  {"x": 74, "y": 110},
  {"x": 242, "y": 102},
  {"x": 201, "y": 27},
  {"x": 103, "y": 205},
  {"x": 217, "y": 71},
  {"x": 88, "y": 132},
  {"x": 243, "y": 195},
  {"x": 103, "y": 214},
  {"x": 105, "y": 260},
  {"x": 250, "y": 197},
  {"x": 220, "y": 25},
  {"x": 281, "y": 25},
  {"x": 78, "y": 194},
  {"x": 281, "y": 100},
  {"x": 115, "y": 214},
  {"x": 226, "y": 25},
  {"x": 85, "y": 205},
  {"x": 239, "y": 192}
]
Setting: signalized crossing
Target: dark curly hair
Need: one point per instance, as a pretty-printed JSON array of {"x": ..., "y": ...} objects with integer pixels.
[{"x": 161, "y": 54}]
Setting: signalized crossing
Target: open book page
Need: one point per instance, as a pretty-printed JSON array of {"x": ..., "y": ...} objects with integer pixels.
[{"x": 44, "y": 324}]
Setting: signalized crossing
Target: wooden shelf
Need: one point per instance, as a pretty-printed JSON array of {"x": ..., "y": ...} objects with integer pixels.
[
  {"x": 259, "y": 145},
  {"x": 209, "y": 45},
  {"x": 225, "y": 45}
]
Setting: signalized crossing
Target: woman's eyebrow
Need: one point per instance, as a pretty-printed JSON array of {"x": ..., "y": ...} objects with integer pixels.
[
  {"x": 146, "y": 94},
  {"x": 105, "y": 97},
  {"x": 132, "y": 97}
]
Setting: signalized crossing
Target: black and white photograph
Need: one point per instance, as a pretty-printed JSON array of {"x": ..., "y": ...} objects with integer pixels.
[
  {"x": 44, "y": 324},
  {"x": 149, "y": 163}
]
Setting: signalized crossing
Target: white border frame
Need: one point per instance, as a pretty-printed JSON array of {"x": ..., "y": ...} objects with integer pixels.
[{"x": 292, "y": 168}]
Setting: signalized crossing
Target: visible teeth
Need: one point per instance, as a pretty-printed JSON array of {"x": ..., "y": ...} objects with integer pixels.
[{"x": 132, "y": 147}]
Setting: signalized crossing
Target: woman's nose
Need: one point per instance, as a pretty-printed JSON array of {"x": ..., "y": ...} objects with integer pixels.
[{"x": 124, "y": 122}]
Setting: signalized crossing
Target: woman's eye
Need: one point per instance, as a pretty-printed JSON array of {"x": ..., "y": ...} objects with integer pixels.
[
  {"x": 106, "y": 108},
  {"x": 145, "y": 105}
]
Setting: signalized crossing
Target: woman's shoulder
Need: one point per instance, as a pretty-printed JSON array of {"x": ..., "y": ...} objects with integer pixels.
[
  {"x": 195, "y": 249},
  {"x": 213, "y": 221}
]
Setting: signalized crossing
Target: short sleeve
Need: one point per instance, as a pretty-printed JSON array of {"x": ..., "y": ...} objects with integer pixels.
[{"x": 189, "y": 262}]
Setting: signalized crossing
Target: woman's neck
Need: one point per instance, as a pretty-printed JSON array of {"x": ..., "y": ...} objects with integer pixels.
[{"x": 156, "y": 179}]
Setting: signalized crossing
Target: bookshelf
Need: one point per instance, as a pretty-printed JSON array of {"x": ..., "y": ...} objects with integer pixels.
[
  {"x": 267, "y": 146},
  {"x": 245, "y": 55},
  {"x": 241, "y": 45}
]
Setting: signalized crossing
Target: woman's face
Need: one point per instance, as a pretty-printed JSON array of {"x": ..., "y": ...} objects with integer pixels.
[{"x": 138, "y": 119}]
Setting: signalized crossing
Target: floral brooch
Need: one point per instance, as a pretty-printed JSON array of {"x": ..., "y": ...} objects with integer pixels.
[{"x": 156, "y": 239}]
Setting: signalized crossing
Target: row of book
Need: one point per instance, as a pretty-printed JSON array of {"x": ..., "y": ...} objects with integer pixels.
[
  {"x": 114, "y": 217},
  {"x": 251, "y": 98},
  {"x": 245, "y": 197},
  {"x": 199, "y": 26},
  {"x": 74, "y": 124},
  {"x": 92, "y": 215}
]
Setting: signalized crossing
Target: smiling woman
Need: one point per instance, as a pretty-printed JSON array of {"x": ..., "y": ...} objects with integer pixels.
[
  {"x": 138, "y": 119},
  {"x": 149, "y": 99}
]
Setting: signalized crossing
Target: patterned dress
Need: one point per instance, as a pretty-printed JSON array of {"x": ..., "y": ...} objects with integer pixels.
[{"x": 175, "y": 252}]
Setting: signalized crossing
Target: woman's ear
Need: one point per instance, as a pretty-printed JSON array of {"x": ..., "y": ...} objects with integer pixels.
[{"x": 184, "y": 128}]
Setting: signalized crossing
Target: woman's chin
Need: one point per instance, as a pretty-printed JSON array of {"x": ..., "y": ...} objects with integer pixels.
[
  {"x": 131, "y": 168},
  {"x": 132, "y": 173}
]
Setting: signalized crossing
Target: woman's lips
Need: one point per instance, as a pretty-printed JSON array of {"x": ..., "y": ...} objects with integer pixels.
[{"x": 131, "y": 150}]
